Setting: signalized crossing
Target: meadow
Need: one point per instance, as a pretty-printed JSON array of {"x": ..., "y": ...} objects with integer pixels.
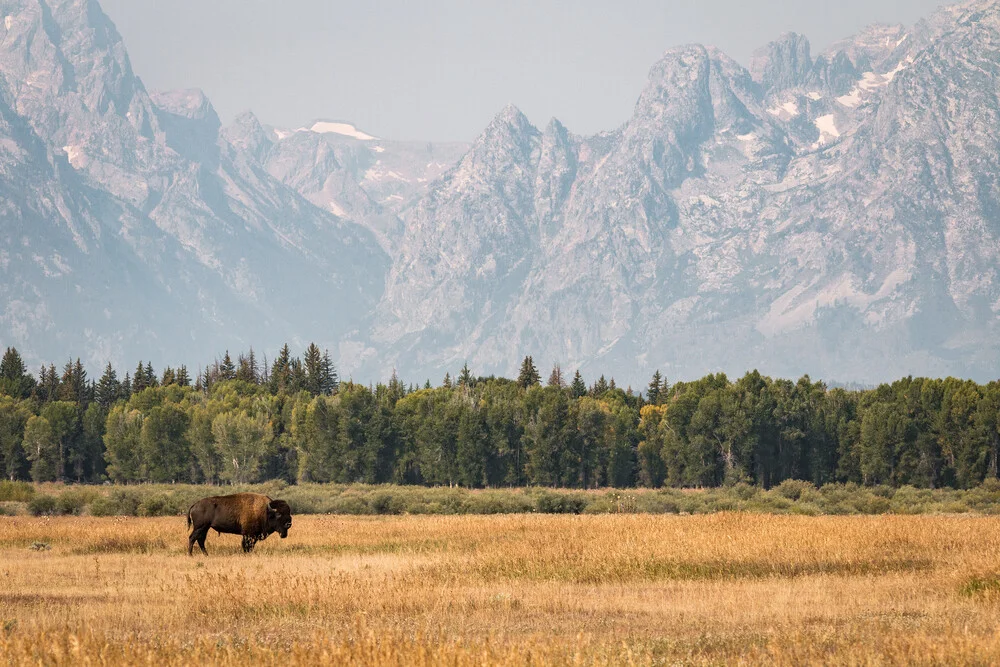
[{"x": 526, "y": 589}]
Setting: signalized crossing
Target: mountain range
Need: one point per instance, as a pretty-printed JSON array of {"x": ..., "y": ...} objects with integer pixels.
[{"x": 836, "y": 214}]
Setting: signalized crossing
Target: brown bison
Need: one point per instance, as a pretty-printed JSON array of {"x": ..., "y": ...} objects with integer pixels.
[{"x": 248, "y": 514}]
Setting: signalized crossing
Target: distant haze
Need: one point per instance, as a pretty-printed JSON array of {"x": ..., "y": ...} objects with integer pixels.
[{"x": 440, "y": 70}]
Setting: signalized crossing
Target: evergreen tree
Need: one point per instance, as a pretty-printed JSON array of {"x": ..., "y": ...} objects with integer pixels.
[
  {"x": 247, "y": 369},
  {"x": 227, "y": 370},
  {"x": 169, "y": 377},
  {"x": 139, "y": 379},
  {"x": 599, "y": 388},
  {"x": 313, "y": 364},
  {"x": 578, "y": 387},
  {"x": 328, "y": 380},
  {"x": 297, "y": 378},
  {"x": 611, "y": 385},
  {"x": 149, "y": 375},
  {"x": 447, "y": 381},
  {"x": 280, "y": 371},
  {"x": 15, "y": 380},
  {"x": 108, "y": 388},
  {"x": 127, "y": 387},
  {"x": 183, "y": 379},
  {"x": 427, "y": 384},
  {"x": 556, "y": 377},
  {"x": 528, "y": 377},
  {"x": 655, "y": 387},
  {"x": 465, "y": 377},
  {"x": 73, "y": 386}
]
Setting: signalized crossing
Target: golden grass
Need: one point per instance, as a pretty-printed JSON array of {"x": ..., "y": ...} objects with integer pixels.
[{"x": 524, "y": 590}]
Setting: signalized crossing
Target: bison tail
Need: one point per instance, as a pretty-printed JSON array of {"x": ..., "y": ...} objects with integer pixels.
[{"x": 189, "y": 519}]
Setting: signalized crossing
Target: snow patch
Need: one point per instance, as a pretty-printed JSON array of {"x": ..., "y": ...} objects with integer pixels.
[
  {"x": 871, "y": 81},
  {"x": 827, "y": 127},
  {"x": 344, "y": 129},
  {"x": 790, "y": 109},
  {"x": 8, "y": 21},
  {"x": 746, "y": 137},
  {"x": 852, "y": 99},
  {"x": 74, "y": 154},
  {"x": 337, "y": 209},
  {"x": 282, "y": 134},
  {"x": 814, "y": 96},
  {"x": 378, "y": 149}
]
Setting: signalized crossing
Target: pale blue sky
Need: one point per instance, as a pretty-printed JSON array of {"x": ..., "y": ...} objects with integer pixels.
[{"x": 440, "y": 69}]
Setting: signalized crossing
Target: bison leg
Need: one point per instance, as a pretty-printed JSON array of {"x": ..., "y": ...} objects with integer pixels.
[
  {"x": 201, "y": 541},
  {"x": 248, "y": 543},
  {"x": 197, "y": 535}
]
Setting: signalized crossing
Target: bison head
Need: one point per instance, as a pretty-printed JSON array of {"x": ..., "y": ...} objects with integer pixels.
[{"x": 279, "y": 517}]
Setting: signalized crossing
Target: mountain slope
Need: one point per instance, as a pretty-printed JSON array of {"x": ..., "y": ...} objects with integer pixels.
[
  {"x": 135, "y": 229},
  {"x": 834, "y": 215}
]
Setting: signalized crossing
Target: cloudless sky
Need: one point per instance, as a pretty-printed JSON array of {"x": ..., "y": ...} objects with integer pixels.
[{"x": 441, "y": 69}]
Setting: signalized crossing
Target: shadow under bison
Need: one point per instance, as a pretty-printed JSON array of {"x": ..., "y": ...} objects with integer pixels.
[{"x": 252, "y": 515}]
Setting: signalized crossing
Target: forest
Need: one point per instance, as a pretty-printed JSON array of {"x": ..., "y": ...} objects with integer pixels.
[{"x": 244, "y": 421}]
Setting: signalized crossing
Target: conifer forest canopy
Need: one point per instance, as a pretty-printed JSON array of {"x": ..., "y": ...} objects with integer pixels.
[{"x": 243, "y": 421}]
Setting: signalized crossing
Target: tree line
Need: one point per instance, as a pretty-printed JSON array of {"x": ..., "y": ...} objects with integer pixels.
[{"x": 244, "y": 421}]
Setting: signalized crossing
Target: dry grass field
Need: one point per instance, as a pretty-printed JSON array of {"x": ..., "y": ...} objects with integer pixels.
[{"x": 525, "y": 590}]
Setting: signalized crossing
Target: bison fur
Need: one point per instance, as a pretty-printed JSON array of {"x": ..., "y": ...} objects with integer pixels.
[{"x": 251, "y": 515}]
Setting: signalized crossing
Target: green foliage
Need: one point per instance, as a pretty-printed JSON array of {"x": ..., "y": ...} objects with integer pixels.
[
  {"x": 21, "y": 492},
  {"x": 241, "y": 423},
  {"x": 43, "y": 505}
]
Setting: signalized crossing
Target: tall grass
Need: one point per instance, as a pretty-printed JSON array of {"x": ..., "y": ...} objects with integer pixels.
[{"x": 726, "y": 588}]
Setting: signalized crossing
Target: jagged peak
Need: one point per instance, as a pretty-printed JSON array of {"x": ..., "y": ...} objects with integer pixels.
[
  {"x": 509, "y": 124},
  {"x": 191, "y": 103},
  {"x": 783, "y": 63},
  {"x": 512, "y": 116}
]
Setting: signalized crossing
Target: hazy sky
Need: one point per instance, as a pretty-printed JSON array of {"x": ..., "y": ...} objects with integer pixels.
[{"x": 441, "y": 69}]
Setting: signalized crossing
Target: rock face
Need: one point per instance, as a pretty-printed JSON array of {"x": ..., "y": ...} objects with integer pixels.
[
  {"x": 133, "y": 229},
  {"x": 836, "y": 214}
]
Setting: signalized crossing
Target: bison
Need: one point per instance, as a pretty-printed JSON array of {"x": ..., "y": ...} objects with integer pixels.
[{"x": 248, "y": 514}]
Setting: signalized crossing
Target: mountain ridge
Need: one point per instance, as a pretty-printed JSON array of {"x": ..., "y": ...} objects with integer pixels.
[{"x": 832, "y": 214}]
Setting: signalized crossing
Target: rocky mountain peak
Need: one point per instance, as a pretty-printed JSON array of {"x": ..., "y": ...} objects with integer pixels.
[
  {"x": 784, "y": 63},
  {"x": 247, "y": 135}
]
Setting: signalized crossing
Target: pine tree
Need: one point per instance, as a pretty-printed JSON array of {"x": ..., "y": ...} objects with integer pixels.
[
  {"x": 328, "y": 379},
  {"x": 73, "y": 386},
  {"x": 528, "y": 377},
  {"x": 108, "y": 388},
  {"x": 313, "y": 362},
  {"x": 15, "y": 380},
  {"x": 150, "y": 375},
  {"x": 447, "y": 381},
  {"x": 556, "y": 377},
  {"x": 427, "y": 384},
  {"x": 297, "y": 378},
  {"x": 247, "y": 369},
  {"x": 139, "y": 379},
  {"x": 127, "y": 387},
  {"x": 169, "y": 377},
  {"x": 280, "y": 371},
  {"x": 183, "y": 379},
  {"x": 52, "y": 383},
  {"x": 579, "y": 388},
  {"x": 599, "y": 388},
  {"x": 227, "y": 370},
  {"x": 655, "y": 386},
  {"x": 611, "y": 385},
  {"x": 465, "y": 377}
]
